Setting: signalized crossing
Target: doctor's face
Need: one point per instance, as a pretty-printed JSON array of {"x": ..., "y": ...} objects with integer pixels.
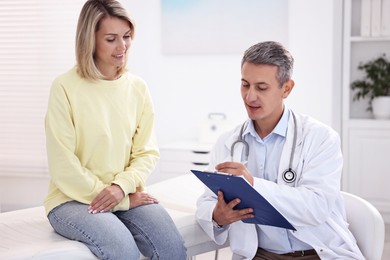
[{"x": 262, "y": 94}]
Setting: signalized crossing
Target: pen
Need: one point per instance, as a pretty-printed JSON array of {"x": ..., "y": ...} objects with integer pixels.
[{"x": 224, "y": 173}]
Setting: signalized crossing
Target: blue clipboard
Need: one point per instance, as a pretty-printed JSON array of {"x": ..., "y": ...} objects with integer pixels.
[{"x": 236, "y": 187}]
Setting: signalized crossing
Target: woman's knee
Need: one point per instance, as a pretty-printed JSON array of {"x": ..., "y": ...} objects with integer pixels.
[
  {"x": 155, "y": 232},
  {"x": 103, "y": 233}
]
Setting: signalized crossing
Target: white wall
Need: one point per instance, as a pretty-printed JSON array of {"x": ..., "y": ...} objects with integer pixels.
[
  {"x": 316, "y": 43},
  {"x": 186, "y": 88}
]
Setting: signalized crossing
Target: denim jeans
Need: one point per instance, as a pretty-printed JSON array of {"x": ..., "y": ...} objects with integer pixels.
[{"x": 123, "y": 234}]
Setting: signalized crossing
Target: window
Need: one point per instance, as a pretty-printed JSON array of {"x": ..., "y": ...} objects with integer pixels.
[{"x": 36, "y": 45}]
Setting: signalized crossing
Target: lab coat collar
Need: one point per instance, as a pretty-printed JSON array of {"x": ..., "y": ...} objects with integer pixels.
[
  {"x": 287, "y": 114},
  {"x": 280, "y": 128}
]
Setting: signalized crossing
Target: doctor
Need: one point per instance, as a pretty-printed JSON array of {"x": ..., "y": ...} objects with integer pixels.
[{"x": 294, "y": 161}]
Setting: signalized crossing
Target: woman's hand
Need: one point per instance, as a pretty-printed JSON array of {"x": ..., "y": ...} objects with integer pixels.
[
  {"x": 107, "y": 199},
  {"x": 235, "y": 168},
  {"x": 141, "y": 198}
]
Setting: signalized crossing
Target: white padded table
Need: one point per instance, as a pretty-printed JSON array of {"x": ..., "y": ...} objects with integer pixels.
[
  {"x": 26, "y": 233},
  {"x": 179, "y": 193}
]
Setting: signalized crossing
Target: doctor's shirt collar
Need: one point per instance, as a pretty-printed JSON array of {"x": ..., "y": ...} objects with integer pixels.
[{"x": 280, "y": 128}]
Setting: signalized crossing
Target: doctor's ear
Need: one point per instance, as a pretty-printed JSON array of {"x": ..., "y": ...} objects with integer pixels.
[{"x": 287, "y": 87}]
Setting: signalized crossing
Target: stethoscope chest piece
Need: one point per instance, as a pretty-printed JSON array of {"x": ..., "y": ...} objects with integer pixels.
[{"x": 289, "y": 176}]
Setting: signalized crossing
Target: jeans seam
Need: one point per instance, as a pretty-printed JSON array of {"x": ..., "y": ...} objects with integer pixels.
[
  {"x": 140, "y": 231},
  {"x": 69, "y": 224}
]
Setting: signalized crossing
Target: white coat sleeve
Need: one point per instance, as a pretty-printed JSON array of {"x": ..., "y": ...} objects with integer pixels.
[{"x": 207, "y": 201}]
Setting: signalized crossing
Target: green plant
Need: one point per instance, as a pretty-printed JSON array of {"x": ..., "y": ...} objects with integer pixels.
[{"x": 376, "y": 82}]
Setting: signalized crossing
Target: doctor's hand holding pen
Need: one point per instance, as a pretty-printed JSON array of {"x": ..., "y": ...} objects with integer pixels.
[{"x": 236, "y": 169}]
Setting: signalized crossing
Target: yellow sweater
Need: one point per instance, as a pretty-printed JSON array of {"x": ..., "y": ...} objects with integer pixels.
[{"x": 97, "y": 134}]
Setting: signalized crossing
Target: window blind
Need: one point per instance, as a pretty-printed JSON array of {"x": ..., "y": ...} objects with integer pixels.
[{"x": 36, "y": 45}]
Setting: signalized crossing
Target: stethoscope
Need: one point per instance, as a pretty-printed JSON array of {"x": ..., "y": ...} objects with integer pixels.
[{"x": 289, "y": 174}]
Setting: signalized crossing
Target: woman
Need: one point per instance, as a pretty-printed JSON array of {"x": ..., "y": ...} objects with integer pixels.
[{"x": 101, "y": 147}]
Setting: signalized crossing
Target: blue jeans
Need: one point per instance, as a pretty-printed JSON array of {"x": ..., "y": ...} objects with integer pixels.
[{"x": 123, "y": 234}]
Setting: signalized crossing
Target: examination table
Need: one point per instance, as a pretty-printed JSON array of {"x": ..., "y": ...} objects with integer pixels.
[{"x": 26, "y": 233}]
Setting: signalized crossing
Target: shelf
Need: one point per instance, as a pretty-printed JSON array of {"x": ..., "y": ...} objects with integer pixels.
[
  {"x": 368, "y": 123},
  {"x": 365, "y": 140},
  {"x": 369, "y": 39}
]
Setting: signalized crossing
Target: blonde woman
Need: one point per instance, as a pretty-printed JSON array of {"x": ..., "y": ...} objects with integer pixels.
[{"x": 101, "y": 147}]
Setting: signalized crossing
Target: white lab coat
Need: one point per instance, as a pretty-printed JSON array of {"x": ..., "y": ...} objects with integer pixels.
[{"x": 312, "y": 204}]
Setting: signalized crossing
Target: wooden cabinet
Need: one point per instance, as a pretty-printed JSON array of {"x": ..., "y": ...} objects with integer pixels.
[{"x": 366, "y": 141}]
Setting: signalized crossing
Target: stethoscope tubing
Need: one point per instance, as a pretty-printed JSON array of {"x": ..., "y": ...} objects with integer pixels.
[{"x": 289, "y": 174}]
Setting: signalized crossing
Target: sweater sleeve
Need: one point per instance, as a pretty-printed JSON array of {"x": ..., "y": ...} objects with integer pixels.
[
  {"x": 144, "y": 153},
  {"x": 66, "y": 171}
]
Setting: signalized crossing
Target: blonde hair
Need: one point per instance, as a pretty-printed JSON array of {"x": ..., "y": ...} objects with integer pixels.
[{"x": 88, "y": 24}]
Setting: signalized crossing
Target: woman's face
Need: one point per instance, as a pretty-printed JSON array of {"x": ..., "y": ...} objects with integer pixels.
[{"x": 112, "y": 42}]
